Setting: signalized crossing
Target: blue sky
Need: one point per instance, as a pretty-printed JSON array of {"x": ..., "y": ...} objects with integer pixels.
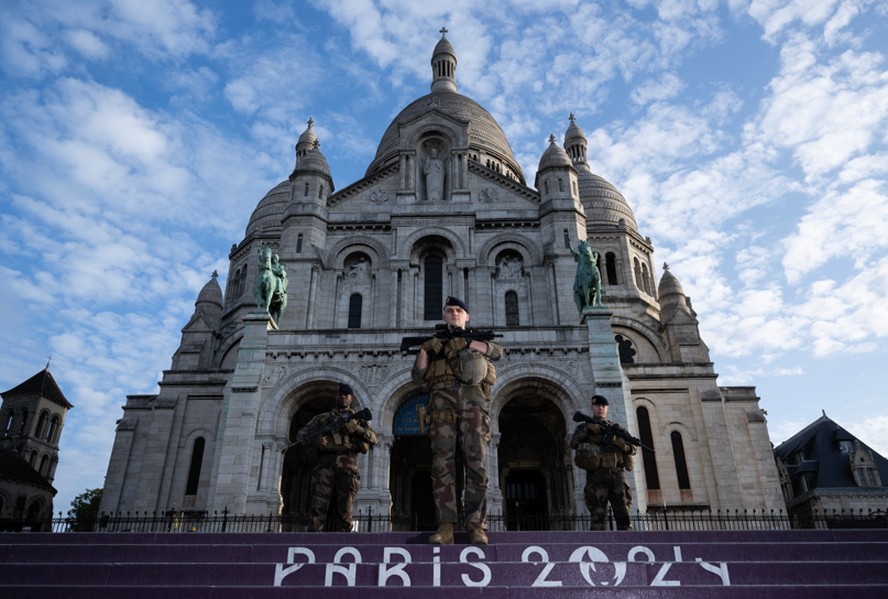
[{"x": 749, "y": 137}]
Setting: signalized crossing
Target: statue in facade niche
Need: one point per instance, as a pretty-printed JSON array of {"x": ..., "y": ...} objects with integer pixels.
[
  {"x": 434, "y": 177},
  {"x": 587, "y": 283},
  {"x": 271, "y": 283}
]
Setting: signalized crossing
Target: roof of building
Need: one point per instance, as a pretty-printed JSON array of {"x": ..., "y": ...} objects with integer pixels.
[
  {"x": 41, "y": 383},
  {"x": 14, "y": 468},
  {"x": 820, "y": 454}
]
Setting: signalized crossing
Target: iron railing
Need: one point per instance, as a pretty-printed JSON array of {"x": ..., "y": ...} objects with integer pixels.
[{"x": 368, "y": 521}]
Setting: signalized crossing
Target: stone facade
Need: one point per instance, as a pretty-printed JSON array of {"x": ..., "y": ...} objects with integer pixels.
[{"x": 373, "y": 262}]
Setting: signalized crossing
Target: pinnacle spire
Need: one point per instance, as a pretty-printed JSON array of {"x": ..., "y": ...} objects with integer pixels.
[{"x": 444, "y": 65}]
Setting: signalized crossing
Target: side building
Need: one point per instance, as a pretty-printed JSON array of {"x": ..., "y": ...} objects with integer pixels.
[
  {"x": 33, "y": 415},
  {"x": 443, "y": 209},
  {"x": 829, "y": 477}
]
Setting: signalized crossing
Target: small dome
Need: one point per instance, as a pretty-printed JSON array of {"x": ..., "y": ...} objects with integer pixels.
[
  {"x": 211, "y": 292},
  {"x": 308, "y": 137},
  {"x": 671, "y": 293},
  {"x": 270, "y": 209},
  {"x": 669, "y": 285},
  {"x": 443, "y": 46},
  {"x": 603, "y": 203},
  {"x": 573, "y": 133},
  {"x": 313, "y": 162},
  {"x": 554, "y": 157}
]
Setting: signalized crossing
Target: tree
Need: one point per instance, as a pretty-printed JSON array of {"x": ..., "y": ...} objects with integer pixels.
[{"x": 84, "y": 511}]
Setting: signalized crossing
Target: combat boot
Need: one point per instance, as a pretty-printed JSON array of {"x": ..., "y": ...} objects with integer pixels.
[
  {"x": 444, "y": 536},
  {"x": 477, "y": 536}
]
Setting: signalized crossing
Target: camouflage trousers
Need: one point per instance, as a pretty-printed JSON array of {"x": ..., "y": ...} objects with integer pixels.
[
  {"x": 605, "y": 485},
  {"x": 335, "y": 475},
  {"x": 459, "y": 427}
]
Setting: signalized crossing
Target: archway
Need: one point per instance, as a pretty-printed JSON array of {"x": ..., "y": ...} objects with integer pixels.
[
  {"x": 536, "y": 483},
  {"x": 410, "y": 479}
]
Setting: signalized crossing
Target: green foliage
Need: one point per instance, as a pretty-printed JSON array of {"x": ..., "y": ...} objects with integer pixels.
[{"x": 84, "y": 511}]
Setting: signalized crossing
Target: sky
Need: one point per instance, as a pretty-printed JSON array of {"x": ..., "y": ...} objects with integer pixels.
[{"x": 750, "y": 138}]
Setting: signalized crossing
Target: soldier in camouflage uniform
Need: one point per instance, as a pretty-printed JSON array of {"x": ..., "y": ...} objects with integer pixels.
[
  {"x": 336, "y": 473},
  {"x": 458, "y": 374},
  {"x": 604, "y": 461}
]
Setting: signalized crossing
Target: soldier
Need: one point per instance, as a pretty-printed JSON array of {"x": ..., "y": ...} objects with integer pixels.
[
  {"x": 458, "y": 374},
  {"x": 604, "y": 457},
  {"x": 337, "y": 469}
]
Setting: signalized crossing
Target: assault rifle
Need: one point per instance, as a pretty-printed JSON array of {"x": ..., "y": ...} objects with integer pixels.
[
  {"x": 611, "y": 431},
  {"x": 331, "y": 426},
  {"x": 445, "y": 334}
]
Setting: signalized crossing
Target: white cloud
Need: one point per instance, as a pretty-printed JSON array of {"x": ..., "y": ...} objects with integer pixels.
[{"x": 87, "y": 43}]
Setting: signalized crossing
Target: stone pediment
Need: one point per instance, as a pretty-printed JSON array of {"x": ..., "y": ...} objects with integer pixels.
[
  {"x": 492, "y": 188},
  {"x": 378, "y": 189}
]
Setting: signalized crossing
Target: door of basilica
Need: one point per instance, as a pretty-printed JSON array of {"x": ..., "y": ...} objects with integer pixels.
[
  {"x": 410, "y": 480},
  {"x": 298, "y": 464},
  {"x": 535, "y": 473}
]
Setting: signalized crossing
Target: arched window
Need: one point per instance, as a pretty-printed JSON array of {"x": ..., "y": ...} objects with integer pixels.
[
  {"x": 299, "y": 243},
  {"x": 194, "y": 468},
  {"x": 566, "y": 239},
  {"x": 320, "y": 192},
  {"x": 637, "y": 270},
  {"x": 681, "y": 464},
  {"x": 651, "y": 478},
  {"x": 560, "y": 184},
  {"x": 625, "y": 349},
  {"x": 24, "y": 423},
  {"x": 33, "y": 459},
  {"x": 512, "y": 318},
  {"x": 610, "y": 265},
  {"x": 40, "y": 431},
  {"x": 646, "y": 279},
  {"x": 241, "y": 286},
  {"x": 355, "y": 306},
  {"x": 546, "y": 186},
  {"x": 53, "y": 429},
  {"x": 433, "y": 266},
  {"x": 10, "y": 416},
  {"x": 306, "y": 189},
  {"x": 44, "y": 465}
]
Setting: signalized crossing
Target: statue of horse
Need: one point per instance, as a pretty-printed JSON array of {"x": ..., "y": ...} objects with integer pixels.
[
  {"x": 587, "y": 283},
  {"x": 271, "y": 283}
]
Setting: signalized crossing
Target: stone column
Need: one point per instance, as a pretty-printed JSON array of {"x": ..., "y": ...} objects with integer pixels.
[
  {"x": 236, "y": 446},
  {"x": 611, "y": 383}
]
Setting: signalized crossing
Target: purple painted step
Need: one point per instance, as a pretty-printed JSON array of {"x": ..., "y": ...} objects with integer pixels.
[
  {"x": 474, "y": 572},
  {"x": 220, "y": 592},
  {"x": 543, "y": 564},
  {"x": 237, "y": 552},
  {"x": 414, "y": 538}
]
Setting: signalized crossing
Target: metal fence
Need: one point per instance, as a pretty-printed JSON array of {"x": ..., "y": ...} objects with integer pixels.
[{"x": 368, "y": 521}]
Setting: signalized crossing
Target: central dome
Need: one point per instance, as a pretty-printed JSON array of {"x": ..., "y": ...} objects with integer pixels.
[{"x": 485, "y": 133}]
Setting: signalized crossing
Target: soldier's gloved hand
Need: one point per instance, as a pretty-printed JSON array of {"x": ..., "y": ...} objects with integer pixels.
[
  {"x": 454, "y": 346},
  {"x": 432, "y": 346},
  {"x": 621, "y": 444},
  {"x": 354, "y": 428}
]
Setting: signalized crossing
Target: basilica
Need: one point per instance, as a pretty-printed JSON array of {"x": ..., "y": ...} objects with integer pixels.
[{"x": 443, "y": 209}]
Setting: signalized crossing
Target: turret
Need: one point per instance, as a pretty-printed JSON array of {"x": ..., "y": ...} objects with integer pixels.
[
  {"x": 444, "y": 66},
  {"x": 679, "y": 321},
  {"x": 199, "y": 335}
]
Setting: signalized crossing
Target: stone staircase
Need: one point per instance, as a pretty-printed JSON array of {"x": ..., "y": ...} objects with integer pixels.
[{"x": 784, "y": 564}]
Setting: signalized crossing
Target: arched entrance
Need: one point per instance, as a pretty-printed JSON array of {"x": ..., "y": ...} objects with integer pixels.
[
  {"x": 536, "y": 483},
  {"x": 299, "y": 461},
  {"x": 410, "y": 480}
]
